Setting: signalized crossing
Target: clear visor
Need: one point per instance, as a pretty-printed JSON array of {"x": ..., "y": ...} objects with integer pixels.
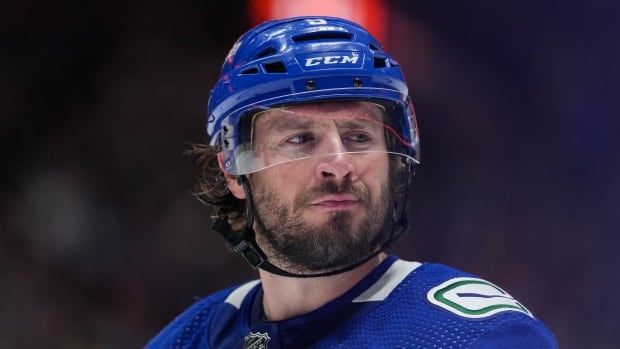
[{"x": 274, "y": 136}]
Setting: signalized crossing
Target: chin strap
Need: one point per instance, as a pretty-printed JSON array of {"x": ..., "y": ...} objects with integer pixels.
[
  {"x": 244, "y": 241},
  {"x": 401, "y": 222},
  {"x": 246, "y": 246}
]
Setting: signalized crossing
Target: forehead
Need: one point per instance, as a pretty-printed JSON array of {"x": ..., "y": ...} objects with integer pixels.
[{"x": 318, "y": 112}]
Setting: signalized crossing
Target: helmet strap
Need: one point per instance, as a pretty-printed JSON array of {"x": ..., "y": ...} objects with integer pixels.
[{"x": 244, "y": 241}]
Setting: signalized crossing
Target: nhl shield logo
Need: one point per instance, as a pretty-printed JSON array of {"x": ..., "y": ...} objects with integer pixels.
[{"x": 256, "y": 341}]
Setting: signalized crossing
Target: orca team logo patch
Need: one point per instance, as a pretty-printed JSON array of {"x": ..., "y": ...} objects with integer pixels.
[
  {"x": 473, "y": 298},
  {"x": 256, "y": 341}
]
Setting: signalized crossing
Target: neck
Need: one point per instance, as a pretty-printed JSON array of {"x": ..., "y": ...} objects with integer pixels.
[{"x": 286, "y": 297}]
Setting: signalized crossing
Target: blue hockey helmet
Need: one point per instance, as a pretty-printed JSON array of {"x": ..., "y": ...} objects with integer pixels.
[{"x": 305, "y": 60}]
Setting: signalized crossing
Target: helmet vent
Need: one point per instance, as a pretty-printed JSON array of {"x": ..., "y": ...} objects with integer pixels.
[
  {"x": 269, "y": 51},
  {"x": 373, "y": 47},
  {"x": 380, "y": 62},
  {"x": 323, "y": 35},
  {"x": 274, "y": 67},
  {"x": 249, "y": 71}
]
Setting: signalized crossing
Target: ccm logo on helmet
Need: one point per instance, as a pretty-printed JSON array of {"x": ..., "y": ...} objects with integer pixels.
[
  {"x": 331, "y": 59},
  {"x": 312, "y": 61}
]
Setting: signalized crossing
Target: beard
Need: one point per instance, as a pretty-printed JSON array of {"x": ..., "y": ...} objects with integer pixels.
[{"x": 301, "y": 247}]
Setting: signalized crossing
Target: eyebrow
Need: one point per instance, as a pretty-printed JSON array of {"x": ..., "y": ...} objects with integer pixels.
[
  {"x": 355, "y": 124},
  {"x": 292, "y": 124},
  {"x": 288, "y": 121}
]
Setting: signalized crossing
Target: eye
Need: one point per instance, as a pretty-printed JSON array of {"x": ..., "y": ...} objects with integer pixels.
[
  {"x": 358, "y": 137},
  {"x": 300, "y": 139},
  {"x": 357, "y": 141}
]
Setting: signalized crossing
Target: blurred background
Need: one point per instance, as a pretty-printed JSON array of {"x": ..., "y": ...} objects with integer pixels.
[{"x": 101, "y": 243}]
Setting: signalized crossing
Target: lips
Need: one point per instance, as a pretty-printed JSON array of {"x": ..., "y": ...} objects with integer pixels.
[{"x": 336, "y": 200}]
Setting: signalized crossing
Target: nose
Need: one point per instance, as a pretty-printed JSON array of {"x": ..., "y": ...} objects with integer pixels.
[{"x": 337, "y": 165}]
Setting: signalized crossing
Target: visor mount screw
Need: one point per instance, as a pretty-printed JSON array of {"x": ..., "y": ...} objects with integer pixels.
[
  {"x": 357, "y": 82},
  {"x": 310, "y": 85}
]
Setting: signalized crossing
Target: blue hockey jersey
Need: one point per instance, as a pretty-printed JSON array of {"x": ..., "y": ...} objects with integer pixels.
[{"x": 400, "y": 304}]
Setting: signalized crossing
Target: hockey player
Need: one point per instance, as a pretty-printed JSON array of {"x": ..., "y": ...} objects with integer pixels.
[{"x": 313, "y": 146}]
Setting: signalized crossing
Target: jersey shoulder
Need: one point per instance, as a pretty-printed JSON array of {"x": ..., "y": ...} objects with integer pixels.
[
  {"x": 187, "y": 329},
  {"x": 484, "y": 313}
]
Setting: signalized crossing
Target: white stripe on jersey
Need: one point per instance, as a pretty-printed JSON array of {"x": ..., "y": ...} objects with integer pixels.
[
  {"x": 235, "y": 298},
  {"x": 387, "y": 282}
]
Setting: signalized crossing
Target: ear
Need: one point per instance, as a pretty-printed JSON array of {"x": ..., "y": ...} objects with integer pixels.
[{"x": 231, "y": 180}]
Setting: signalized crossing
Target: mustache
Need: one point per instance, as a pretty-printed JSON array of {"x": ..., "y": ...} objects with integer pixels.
[{"x": 346, "y": 186}]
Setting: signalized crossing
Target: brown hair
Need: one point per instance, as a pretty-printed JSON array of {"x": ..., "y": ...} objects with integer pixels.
[{"x": 211, "y": 187}]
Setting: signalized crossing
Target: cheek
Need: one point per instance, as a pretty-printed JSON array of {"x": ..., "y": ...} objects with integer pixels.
[
  {"x": 281, "y": 180},
  {"x": 374, "y": 174}
]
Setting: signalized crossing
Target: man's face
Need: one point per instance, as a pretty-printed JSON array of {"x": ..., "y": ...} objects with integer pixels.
[{"x": 321, "y": 207}]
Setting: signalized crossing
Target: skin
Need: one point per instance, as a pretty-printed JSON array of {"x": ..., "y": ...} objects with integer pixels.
[{"x": 296, "y": 187}]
